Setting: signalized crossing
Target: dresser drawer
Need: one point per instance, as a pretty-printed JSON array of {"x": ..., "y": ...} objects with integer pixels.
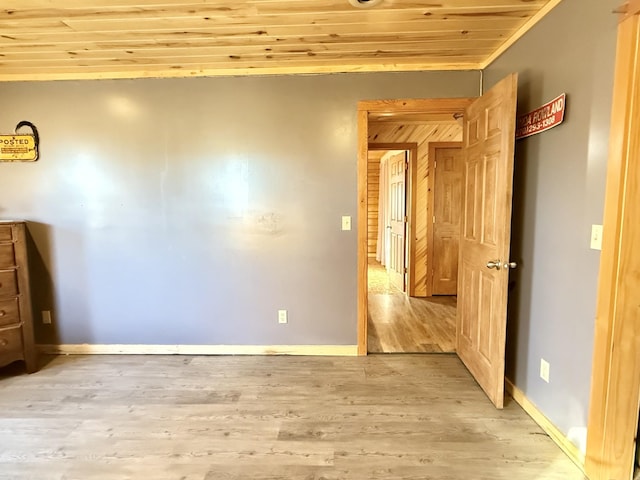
[
  {"x": 9, "y": 313},
  {"x": 6, "y": 235},
  {"x": 10, "y": 339},
  {"x": 8, "y": 283},
  {"x": 7, "y": 255}
]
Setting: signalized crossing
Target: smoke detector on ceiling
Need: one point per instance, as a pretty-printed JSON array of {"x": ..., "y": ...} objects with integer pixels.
[{"x": 365, "y": 3}]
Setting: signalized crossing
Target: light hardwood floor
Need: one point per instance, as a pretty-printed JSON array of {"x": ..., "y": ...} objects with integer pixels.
[
  {"x": 401, "y": 324},
  {"x": 381, "y": 417}
]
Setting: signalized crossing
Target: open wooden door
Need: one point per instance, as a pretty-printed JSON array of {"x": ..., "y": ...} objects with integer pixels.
[
  {"x": 398, "y": 220},
  {"x": 489, "y": 137}
]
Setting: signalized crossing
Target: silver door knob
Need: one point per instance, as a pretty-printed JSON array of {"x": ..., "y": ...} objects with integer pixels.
[
  {"x": 510, "y": 265},
  {"x": 497, "y": 264}
]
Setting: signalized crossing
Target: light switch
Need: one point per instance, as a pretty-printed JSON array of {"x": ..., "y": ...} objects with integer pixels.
[
  {"x": 596, "y": 237},
  {"x": 346, "y": 222}
]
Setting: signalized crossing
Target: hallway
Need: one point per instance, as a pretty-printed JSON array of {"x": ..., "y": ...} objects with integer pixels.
[{"x": 401, "y": 324}]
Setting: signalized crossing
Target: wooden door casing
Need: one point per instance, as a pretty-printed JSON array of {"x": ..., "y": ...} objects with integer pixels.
[
  {"x": 367, "y": 108},
  {"x": 489, "y": 137},
  {"x": 615, "y": 384}
]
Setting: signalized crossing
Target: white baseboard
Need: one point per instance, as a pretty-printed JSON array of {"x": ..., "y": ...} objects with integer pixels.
[
  {"x": 550, "y": 429},
  {"x": 86, "y": 349}
]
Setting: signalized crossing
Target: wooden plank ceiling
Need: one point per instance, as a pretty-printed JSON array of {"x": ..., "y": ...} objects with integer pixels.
[{"x": 63, "y": 39}]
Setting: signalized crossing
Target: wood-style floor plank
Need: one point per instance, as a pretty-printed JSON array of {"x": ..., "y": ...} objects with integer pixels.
[
  {"x": 264, "y": 418},
  {"x": 401, "y": 324}
]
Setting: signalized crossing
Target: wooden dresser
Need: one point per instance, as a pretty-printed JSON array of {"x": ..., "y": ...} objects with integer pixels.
[{"x": 16, "y": 317}]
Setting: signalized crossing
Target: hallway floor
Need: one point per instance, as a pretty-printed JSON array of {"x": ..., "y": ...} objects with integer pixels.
[{"x": 401, "y": 324}]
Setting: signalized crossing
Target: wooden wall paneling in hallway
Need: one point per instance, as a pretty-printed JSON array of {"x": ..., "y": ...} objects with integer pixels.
[
  {"x": 373, "y": 191},
  {"x": 421, "y": 133}
]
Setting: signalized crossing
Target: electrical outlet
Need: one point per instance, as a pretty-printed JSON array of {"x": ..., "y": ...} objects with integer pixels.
[
  {"x": 282, "y": 316},
  {"x": 346, "y": 222},
  {"x": 544, "y": 370},
  {"x": 46, "y": 317},
  {"x": 596, "y": 237}
]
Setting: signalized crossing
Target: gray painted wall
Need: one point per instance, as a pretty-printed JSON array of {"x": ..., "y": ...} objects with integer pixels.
[
  {"x": 558, "y": 194},
  {"x": 189, "y": 211}
]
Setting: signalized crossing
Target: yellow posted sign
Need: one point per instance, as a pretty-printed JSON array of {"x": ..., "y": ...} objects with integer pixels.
[{"x": 20, "y": 147}]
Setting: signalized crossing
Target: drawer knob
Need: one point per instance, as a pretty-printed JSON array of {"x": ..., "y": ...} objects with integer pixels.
[
  {"x": 2, "y": 313},
  {"x": 3, "y": 342}
]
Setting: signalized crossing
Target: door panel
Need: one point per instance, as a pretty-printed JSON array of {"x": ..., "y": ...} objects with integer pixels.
[
  {"x": 447, "y": 208},
  {"x": 489, "y": 136},
  {"x": 397, "y": 182}
]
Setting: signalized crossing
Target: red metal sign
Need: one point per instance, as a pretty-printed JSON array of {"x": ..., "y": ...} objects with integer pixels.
[{"x": 542, "y": 119}]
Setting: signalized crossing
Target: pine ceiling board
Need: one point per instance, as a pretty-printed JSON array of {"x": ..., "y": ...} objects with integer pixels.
[
  {"x": 177, "y": 39},
  {"x": 362, "y": 19},
  {"x": 198, "y": 50},
  {"x": 469, "y": 8},
  {"x": 193, "y": 26},
  {"x": 337, "y": 4},
  {"x": 111, "y": 4},
  {"x": 232, "y": 31},
  {"x": 251, "y": 15},
  {"x": 221, "y": 9},
  {"x": 180, "y": 71},
  {"x": 247, "y": 59},
  {"x": 168, "y": 12},
  {"x": 290, "y": 61},
  {"x": 124, "y": 38}
]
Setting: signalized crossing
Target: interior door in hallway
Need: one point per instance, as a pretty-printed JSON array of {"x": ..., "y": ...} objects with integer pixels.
[
  {"x": 489, "y": 137},
  {"x": 397, "y": 220},
  {"x": 447, "y": 212}
]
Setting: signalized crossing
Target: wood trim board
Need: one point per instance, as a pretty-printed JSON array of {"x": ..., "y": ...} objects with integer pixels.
[
  {"x": 615, "y": 380},
  {"x": 363, "y": 257},
  {"x": 629, "y": 9},
  {"x": 88, "y": 349},
  {"x": 550, "y": 429}
]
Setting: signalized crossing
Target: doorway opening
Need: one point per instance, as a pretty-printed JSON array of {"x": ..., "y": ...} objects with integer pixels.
[
  {"x": 489, "y": 140},
  {"x": 413, "y": 218}
]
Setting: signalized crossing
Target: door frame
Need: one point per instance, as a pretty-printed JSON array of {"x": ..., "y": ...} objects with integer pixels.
[
  {"x": 431, "y": 185},
  {"x": 411, "y": 180},
  {"x": 615, "y": 376},
  {"x": 431, "y": 105}
]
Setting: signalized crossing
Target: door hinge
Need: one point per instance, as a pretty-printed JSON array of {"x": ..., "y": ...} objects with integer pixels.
[
  {"x": 406, "y": 219},
  {"x": 405, "y": 270},
  {"x": 434, "y": 219},
  {"x": 435, "y": 164}
]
